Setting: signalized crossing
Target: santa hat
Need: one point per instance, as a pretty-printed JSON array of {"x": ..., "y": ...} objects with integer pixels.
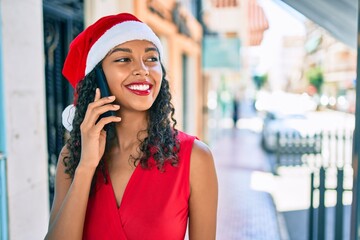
[{"x": 92, "y": 45}]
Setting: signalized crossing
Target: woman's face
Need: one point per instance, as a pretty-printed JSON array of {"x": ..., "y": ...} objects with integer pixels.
[{"x": 134, "y": 74}]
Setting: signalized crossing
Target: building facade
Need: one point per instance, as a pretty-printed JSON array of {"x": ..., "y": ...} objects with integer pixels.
[
  {"x": 227, "y": 58},
  {"x": 337, "y": 63}
]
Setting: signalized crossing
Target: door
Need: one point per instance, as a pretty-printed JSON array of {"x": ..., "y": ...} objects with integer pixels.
[{"x": 63, "y": 20}]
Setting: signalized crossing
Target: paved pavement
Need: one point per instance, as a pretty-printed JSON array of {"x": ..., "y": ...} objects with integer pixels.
[
  {"x": 244, "y": 212},
  {"x": 258, "y": 205}
]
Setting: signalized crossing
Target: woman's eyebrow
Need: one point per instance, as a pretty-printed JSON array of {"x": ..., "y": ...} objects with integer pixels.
[
  {"x": 118, "y": 49},
  {"x": 128, "y": 50},
  {"x": 151, "y": 49}
]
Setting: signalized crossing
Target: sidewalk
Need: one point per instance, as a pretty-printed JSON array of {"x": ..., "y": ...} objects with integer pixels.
[
  {"x": 292, "y": 199},
  {"x": 244, "y": 212},
  {"x": 254, "y": 204}
]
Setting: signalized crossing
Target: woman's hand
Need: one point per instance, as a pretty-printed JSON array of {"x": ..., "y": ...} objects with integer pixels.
[{"x": 93, "y": 135}]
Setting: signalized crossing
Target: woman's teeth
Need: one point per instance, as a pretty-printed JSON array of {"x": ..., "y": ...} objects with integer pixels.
[{"x": 142, "y": 87}]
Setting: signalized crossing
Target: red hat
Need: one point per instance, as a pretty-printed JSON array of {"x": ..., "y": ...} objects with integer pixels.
[{"x": 92, "y": 45}]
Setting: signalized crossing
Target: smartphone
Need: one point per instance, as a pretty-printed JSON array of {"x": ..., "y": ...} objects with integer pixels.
[{"x": 104, "y": 89}]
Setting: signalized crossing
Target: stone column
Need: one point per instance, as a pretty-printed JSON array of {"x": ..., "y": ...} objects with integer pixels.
[{"x": 25, "y": 118}]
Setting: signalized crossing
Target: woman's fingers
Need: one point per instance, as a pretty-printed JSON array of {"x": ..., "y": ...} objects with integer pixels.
[
  {"x": 93, "y": 137},
  {"x": 101, "y": 101},
  {"x": 98, "y": 111},
  {"x": 106, "y": 120},
  {"x": 97, "y": 94},
  {"x": 98, "y": 107}
]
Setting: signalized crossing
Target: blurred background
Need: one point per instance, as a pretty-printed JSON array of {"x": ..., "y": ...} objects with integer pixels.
[{"x": 269, "y": 85}]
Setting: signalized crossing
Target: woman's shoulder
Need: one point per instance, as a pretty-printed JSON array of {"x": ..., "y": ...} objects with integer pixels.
[
  {"x": 201, "y": 152},
  {"x": 202, "y": 170},
  {"x": 198, "y": 147}
]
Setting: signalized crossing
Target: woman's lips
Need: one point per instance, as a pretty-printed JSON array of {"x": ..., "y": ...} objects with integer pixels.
[{"x": 141, "y": 89}]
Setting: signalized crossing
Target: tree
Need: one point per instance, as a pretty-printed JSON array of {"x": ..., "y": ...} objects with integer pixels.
[
  {"x": 315, "y": 77},
  {"x": 260, "y": 80}
]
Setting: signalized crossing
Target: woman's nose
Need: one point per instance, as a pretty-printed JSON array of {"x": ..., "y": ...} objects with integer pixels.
[{"x": 141, "y": 69}]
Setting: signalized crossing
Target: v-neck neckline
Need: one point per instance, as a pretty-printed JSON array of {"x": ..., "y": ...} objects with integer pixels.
[{"x": 118, "y": 206}]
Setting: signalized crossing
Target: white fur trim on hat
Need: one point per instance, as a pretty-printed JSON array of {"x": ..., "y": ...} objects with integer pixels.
[
  {"x": 68, "y": 117},
  {"x": 118, "y": 34}
]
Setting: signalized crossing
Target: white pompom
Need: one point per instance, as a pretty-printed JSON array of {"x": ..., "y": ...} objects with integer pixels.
[{"x": 68, "y": 117}]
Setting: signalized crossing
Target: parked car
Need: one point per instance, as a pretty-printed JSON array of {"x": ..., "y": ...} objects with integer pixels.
[
  {"x": 291, "y": 126},
  {"x": 286, "y": 103}
]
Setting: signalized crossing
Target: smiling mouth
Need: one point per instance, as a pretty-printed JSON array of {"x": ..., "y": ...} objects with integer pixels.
[{"x": 140, "y": 89}]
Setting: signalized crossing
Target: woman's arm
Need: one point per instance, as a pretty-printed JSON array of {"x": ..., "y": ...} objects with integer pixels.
[
  {"x": 71, "y": 196},
  {"x": 70, "y": 201},
  {"x": 203, "y": 194}
]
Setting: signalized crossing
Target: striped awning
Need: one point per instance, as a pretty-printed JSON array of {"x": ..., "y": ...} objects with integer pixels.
[
  {"x": 254, "y": 15},
  {"x": 224, "y": 3},
  {"x": 257, "y": 23}
]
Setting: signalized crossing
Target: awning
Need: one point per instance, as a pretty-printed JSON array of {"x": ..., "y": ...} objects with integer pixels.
[
  {"x": 338, "y": 17},
  {"x": 240, "y": 14},
  {"x": 257, "y": 23}
]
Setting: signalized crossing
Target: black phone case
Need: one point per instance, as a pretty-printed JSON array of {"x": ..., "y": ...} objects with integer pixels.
[{"x": 104, "y": 89}]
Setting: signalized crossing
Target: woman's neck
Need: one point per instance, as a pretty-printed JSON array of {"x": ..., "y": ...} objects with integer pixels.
[{"x": 131, "y": 129}]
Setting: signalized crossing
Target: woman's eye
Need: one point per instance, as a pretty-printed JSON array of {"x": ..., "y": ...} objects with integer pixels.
[
  {"x": 123, "y": 60},
  {"x": 152, "y": 59}
]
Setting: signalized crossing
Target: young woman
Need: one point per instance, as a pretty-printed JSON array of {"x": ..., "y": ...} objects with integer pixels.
[{"x": 130, "y": 175}]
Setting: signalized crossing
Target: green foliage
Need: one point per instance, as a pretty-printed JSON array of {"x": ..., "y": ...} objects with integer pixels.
[
  {"x": 260, "y": 80},
  {"x": 315, "y": 77}
]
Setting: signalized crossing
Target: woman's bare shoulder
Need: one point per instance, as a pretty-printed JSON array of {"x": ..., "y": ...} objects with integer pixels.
[
  {"x": 203, "y": 193},
  {"x": 202, "y": 161},
  {"x": 201, "y": 153}
]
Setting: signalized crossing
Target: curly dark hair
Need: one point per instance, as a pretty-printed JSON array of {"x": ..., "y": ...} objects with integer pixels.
[{"x": 161, "y": 141}]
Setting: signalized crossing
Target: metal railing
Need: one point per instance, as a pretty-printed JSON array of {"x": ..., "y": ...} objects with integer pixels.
[
  {"x": 329, "y": 157},
  {"x": 3, "y": 199},
  {"x": 291, "y": 149},
  {"x": 324, "y": 181},
  {"x": 325, "y": 149}
]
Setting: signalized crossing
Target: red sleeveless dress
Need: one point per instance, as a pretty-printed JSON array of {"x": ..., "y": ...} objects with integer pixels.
[{"x": 155, "y": 204}]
